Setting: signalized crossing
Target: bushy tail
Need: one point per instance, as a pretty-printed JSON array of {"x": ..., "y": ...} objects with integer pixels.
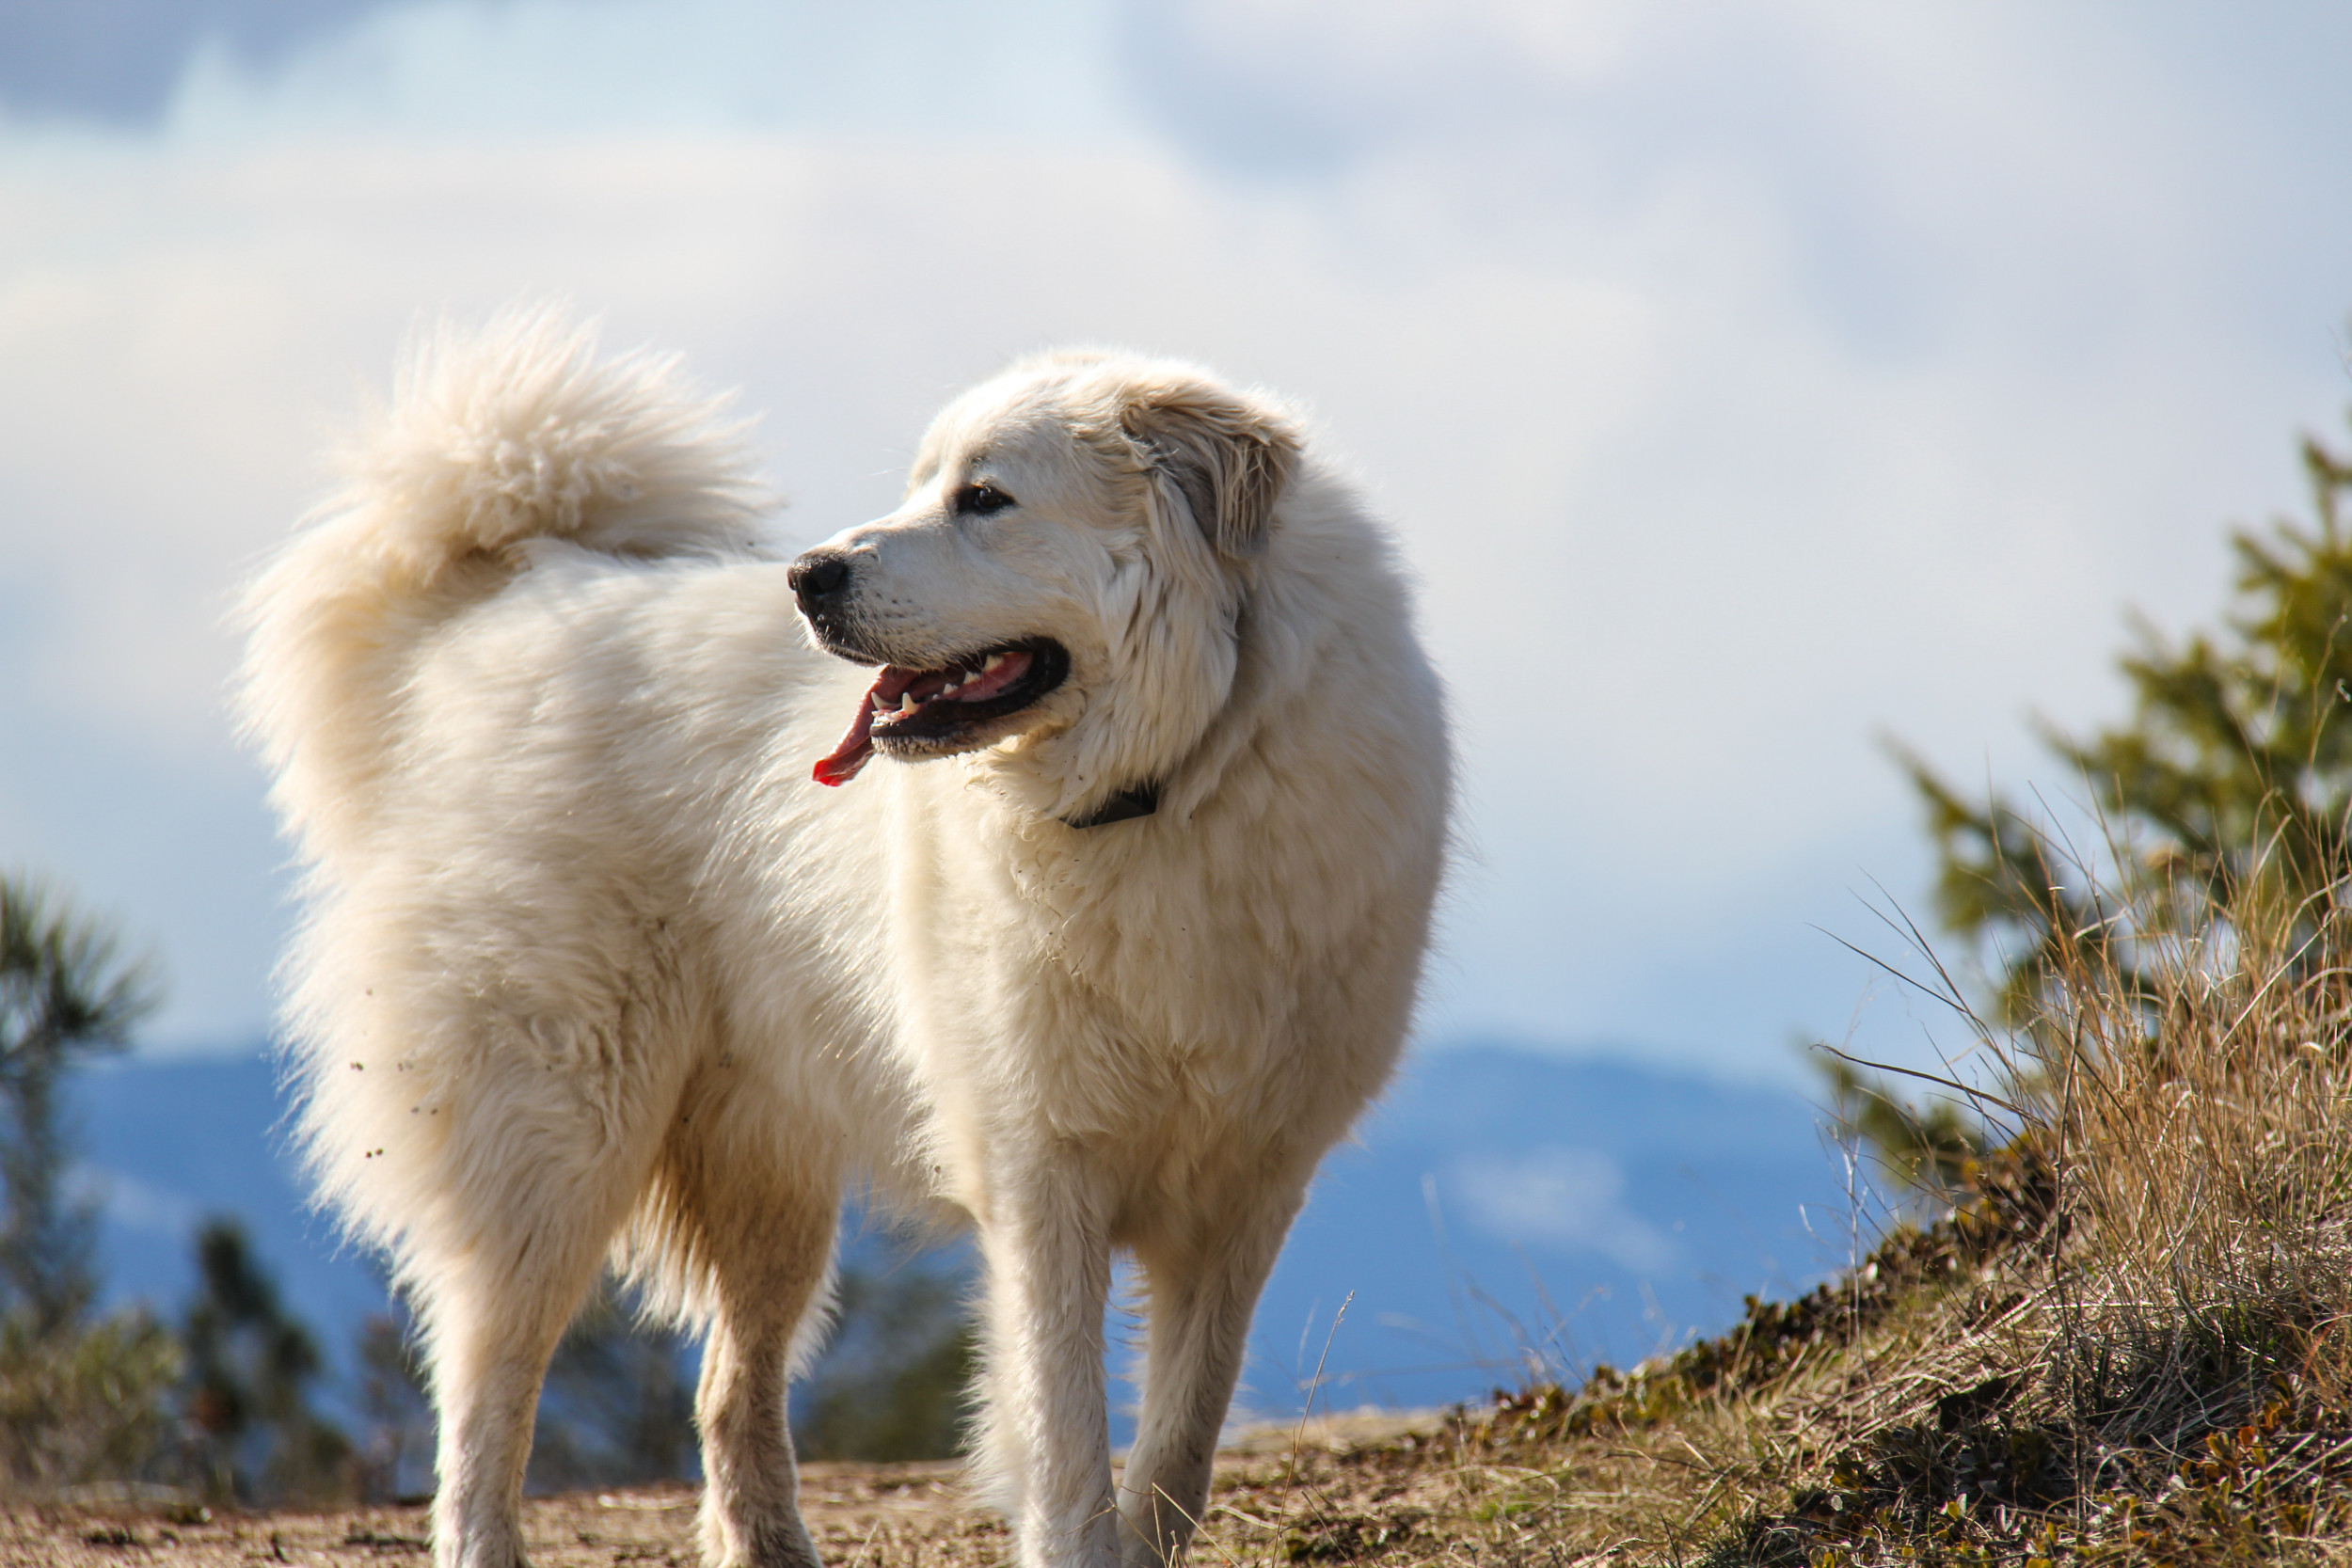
[{"x": 494, "y": 437}]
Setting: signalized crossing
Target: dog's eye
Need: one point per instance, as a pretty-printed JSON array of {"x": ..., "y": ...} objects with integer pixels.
[{"x": 980, "y": 501}]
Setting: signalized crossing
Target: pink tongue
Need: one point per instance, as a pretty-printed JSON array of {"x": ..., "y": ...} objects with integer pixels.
[{"x": 841, "y": 764}]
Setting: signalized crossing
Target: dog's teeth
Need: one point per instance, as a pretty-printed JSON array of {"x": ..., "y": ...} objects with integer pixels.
[
  {"x": 994, "y": 660},
  {"x": 907, "y": 702}
]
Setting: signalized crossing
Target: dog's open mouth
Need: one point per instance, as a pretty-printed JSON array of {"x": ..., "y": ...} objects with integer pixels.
[{"x": 926, "y": 712}]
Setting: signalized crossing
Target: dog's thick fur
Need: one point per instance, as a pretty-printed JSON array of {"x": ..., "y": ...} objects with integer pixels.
[{"x": 592, "y": 969}]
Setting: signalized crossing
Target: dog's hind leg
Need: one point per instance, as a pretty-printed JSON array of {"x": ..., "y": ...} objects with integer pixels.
[
  {"x": 543, "y": 1156},
  {"x": 751, "y": 1515},
  {"x": 747, "y": 1220},
  {"x": 1201, "y": 1280},
  {"x": 493, "y": 1312},
  {"x": 490, "y": 1331}
]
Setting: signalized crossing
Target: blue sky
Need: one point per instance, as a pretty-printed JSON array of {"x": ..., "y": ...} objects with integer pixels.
[{"x": 1745, "y": 381}]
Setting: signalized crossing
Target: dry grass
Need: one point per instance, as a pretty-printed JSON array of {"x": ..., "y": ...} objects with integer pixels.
[{"x": 2127, "y": 1342}]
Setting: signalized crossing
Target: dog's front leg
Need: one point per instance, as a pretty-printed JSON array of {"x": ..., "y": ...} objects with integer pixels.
[
  {"x": 1044, "y": 1444},
  {"x": 1201, "y": 1275}
]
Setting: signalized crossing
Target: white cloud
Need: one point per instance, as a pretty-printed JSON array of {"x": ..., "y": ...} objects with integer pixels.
[
  {"x": 1742, "y": 380},
  {"x": 132, "y": 1204},
  {"x": 1561, "y": 1198},
  {"x": 460, "y": 72}
]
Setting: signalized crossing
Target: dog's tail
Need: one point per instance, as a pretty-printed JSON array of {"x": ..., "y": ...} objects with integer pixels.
[{"x": 495, "y": 438}]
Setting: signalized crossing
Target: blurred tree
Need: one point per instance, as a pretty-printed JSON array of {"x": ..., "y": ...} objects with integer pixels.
[
  {"x": 250, "y": 1368},
  {"x": 89, "y": 1402},
  {"x": 2227, "y": 791},
  {"x": 618, "y": 1407},
  {"x": 2222, "y": 804},
  {"x": 395, "y": 1462},
  {"x": 66, "y": 995},
  {"x": 894, "y": 1384},
  {"x": 79, "y": 1401}
]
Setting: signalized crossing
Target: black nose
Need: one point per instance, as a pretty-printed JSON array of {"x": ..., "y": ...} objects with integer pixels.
[{"x": 816, "y": 576}]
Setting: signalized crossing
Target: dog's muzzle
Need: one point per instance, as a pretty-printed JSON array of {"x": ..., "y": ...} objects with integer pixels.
[{"x": 820, "y": 582}]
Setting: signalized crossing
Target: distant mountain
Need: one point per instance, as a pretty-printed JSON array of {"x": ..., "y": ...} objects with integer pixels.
[
  {"x": 1504, "y": 1207},
  {"x": 170, "y": 1144},
  {"x": 1501, "y": 1206}
]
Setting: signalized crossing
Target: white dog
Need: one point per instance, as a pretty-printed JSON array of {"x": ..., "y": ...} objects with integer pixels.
[{"x": 1120, "y": 942}]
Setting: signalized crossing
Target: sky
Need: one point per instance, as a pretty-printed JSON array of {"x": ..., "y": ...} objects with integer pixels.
[{"x": 1748, "y": 383}]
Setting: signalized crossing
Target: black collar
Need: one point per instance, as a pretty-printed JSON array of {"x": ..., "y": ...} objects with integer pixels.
[{"x": 1141, "y": 801}]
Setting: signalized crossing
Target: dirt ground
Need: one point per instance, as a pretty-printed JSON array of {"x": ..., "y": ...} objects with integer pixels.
[
  {"x": 898, "y": 1511},
  {"x": 862, "y": 1516}
]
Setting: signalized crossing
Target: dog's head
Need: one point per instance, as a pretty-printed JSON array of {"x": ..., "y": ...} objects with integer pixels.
[{"x": 1063, "y": 577}]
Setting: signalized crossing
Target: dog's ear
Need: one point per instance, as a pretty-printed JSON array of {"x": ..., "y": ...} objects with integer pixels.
[{"x": 1229, "y": 456}]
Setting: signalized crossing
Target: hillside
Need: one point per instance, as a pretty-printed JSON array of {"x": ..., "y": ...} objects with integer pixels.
[
  {"x": 1954, "y": 1400},
  {"x": 2122, "y": 1343},
  {"x": 1965, "y": 1395}
]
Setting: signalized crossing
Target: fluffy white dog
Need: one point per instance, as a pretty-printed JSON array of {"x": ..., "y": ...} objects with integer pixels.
[{"x": 1119, "y": 943}]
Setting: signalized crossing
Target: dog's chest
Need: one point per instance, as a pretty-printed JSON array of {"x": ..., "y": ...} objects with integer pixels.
[{"x": 1098, "y": 992}]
